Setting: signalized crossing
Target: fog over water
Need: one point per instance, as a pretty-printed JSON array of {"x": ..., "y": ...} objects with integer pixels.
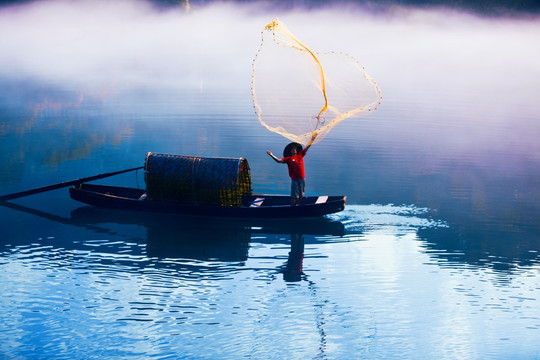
[
  {"x": 419, "y": 57},
  {"x": 130, "y": 43}
]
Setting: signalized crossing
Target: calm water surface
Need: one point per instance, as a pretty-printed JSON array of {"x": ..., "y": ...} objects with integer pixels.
[{"x": 435, "y": 256}]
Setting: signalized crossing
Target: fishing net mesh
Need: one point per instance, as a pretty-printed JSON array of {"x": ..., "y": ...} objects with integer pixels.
[
  {"x": 197, "y": 180},
  {"x": 297, "y": 91}
]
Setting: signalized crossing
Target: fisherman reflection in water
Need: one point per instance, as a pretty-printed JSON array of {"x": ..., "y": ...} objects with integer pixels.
[
  {"x": 293, "y": 156},
  {"x": 293, "y": 269}
]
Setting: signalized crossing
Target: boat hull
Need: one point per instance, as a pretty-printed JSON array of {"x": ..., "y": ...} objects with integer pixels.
[{"x": 254, "y": 206}]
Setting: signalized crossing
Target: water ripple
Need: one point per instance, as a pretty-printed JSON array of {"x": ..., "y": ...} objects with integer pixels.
[{"x": 386, "y": 218}]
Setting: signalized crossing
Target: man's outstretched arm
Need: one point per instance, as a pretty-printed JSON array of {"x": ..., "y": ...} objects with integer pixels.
[
  {"x": 274, "y": 157},
  {"x": 310, "y": 142}
]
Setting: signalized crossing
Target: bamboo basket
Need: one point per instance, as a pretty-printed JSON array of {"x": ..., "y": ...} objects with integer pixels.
[{"x": 197, "y": 180}]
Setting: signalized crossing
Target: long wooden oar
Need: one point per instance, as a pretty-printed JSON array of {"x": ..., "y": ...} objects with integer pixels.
[{"x": 63, "y": 184}]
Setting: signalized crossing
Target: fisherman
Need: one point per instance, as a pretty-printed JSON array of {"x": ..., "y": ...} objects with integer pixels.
[{"x": 295, "y": 162}]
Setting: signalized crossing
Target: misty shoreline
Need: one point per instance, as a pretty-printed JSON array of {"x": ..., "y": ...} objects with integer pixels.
[{"x": 488, "y": 8}]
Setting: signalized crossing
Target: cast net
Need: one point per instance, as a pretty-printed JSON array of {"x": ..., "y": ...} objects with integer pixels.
[{"x": 297, "y": 91}]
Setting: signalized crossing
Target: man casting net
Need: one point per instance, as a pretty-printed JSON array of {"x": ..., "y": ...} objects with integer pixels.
[{"x": 297, "y": 91}]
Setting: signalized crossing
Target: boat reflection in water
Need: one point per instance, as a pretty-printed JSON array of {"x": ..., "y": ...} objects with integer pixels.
[{"x": 215, "y": 239}]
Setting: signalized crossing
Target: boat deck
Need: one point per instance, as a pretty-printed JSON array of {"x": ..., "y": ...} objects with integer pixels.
[{"x": 256, "y": 205}]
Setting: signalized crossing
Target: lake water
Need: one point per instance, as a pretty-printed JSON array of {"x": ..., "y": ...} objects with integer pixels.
[{"x": 435, "y": 256}]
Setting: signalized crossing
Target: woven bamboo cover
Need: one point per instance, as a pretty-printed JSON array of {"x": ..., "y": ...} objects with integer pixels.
[{"x": 197, "y": 180}]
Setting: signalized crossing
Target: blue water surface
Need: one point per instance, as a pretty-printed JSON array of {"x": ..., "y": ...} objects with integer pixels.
[{"x": 435, "y": 256}]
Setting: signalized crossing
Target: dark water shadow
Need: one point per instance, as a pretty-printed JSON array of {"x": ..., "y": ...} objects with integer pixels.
[
  {"x": 206, "y": 238},
  {"x": 188, "y": 246}
]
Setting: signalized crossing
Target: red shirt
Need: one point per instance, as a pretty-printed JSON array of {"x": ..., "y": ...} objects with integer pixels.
[{"x": 296, "y": 165}]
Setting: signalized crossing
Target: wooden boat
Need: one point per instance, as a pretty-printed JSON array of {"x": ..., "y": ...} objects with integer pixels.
[
  {"x": 252, "y": 206},
  {"x": 192, "y": 185}
]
